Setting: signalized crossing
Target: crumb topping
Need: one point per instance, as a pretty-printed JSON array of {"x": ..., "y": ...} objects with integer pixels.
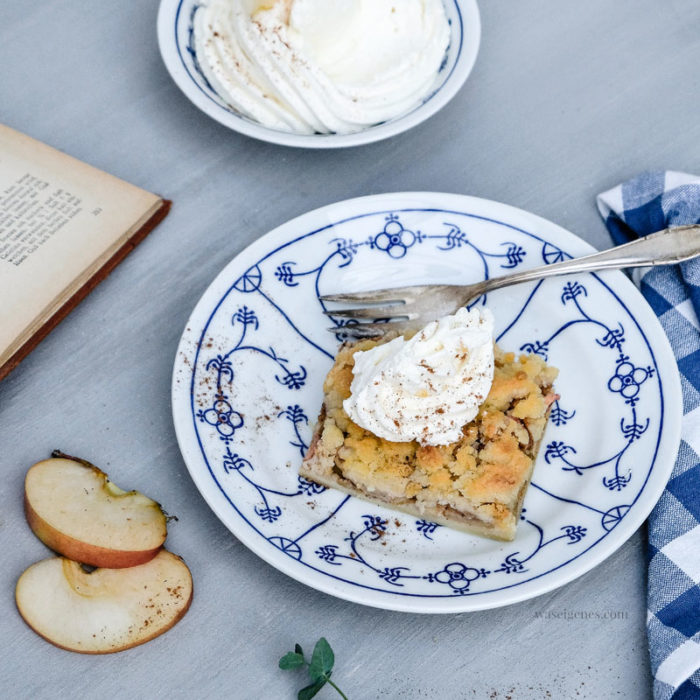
[{"x": 483, "y": 474}]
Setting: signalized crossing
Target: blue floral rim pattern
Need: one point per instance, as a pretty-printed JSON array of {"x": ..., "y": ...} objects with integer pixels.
[{"x": 391, "y": 234}]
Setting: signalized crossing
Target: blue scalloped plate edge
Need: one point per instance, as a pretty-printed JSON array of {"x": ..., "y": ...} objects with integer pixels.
[{"x": 652, "y": 491}]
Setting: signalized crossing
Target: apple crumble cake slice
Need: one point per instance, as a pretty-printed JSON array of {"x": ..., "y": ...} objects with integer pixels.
[{"x": 476, "y": 484}]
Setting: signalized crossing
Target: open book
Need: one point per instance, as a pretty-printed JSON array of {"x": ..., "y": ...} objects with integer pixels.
[{"x": 64, "y": 226}]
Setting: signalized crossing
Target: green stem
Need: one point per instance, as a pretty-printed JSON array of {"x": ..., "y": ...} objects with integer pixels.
[{"x": 342, "y": 694}]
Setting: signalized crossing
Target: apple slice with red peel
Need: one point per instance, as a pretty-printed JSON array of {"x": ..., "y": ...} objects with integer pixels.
[
  {"x": 107, "y": 610},
  {"x": 73, "y": 508}
]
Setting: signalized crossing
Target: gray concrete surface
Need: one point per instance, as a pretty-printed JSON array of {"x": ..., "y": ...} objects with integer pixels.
[{"x": 567, "y": 99}]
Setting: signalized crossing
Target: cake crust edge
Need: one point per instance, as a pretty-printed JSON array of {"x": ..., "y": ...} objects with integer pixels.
[{"x": 319, "y": 466}]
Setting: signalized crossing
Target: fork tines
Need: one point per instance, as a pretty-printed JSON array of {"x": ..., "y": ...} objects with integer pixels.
[
  {"x": 371, "y": 312},
  {"x": 396, "y": 308},
  {"x": 365, "y": 330},
  {"x": 375, "y": 304},
  {"x": 375, "y": 296}
]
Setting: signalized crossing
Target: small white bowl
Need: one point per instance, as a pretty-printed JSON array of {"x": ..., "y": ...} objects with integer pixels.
[{"x": 177, "y": 49}]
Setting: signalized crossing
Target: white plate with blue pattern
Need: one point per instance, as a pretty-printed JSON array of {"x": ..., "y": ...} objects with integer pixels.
[
  {"x": 175, "y": 39},
  {"x": 247, "y": 387}
]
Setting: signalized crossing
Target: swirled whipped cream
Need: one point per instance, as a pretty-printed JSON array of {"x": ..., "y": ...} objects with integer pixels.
[
  {"x": 321, "y": 66},
  {"x": 428, "y": 387}
]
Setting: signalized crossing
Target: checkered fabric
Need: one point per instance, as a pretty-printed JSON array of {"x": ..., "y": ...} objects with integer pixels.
[{"x": 648, "y": 203}]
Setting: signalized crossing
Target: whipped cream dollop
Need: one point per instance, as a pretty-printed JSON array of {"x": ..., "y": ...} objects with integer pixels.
[
  {"x": 321, "y": 66},
  {"x": 428, "y": 387}
]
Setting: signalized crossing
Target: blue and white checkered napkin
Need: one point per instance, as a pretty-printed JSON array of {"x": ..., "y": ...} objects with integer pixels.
[{"x": 651, "y": 202}]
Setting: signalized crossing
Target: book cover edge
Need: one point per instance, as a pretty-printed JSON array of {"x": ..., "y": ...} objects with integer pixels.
[{"x": 80, "y": 294}]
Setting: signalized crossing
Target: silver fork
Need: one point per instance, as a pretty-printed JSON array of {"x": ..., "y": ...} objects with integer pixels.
[{"x": 415, "y": 306}]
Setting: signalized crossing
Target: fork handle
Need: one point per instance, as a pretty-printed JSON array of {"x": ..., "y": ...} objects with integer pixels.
[{"x": 667, "y": 247}]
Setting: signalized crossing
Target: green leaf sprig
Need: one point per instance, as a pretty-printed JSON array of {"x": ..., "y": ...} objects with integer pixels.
[{"x": 320, "y": 668}]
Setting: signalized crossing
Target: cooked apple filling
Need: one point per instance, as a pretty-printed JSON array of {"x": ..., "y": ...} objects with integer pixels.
[{"x": 476, "y": 484}]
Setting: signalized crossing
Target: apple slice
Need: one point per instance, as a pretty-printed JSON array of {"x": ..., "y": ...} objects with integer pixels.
[
  {"x": 107, "y": 610},
  {"x": 76, "y": 510}
]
